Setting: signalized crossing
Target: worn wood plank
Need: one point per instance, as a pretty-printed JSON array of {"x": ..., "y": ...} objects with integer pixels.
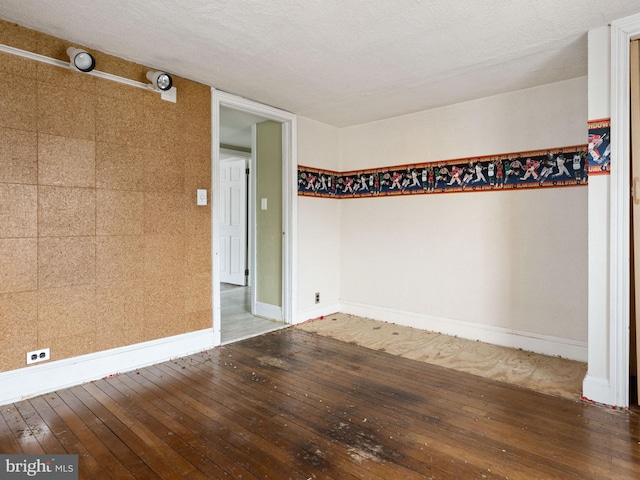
[
  {"x": 8, "y": 441},
  {"x": 39, "y": 428},
  {"x": 62, "y": 422},
  {"x": 295, "y": 405},
  {"x": 395, "y": 418},
  {"x": 155, "y": 452},
  {"x": 98, "y": 440},
  {"x": 304, "y": 410},
  {"x": 117, "y": 436},
  {"x": 565, "y": 439},
  {"x": 282, "y": 430},
  {"x": 564, "y": 462},
  {"x": 168, "y": 424},
  {"x": 264, "y": 459},
  {"x": 20, "y": 431},
  {"x": 562, "y": 428}
]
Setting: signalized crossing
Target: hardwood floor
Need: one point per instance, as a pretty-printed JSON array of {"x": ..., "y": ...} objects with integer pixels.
[{"x": 296, "y": 405}]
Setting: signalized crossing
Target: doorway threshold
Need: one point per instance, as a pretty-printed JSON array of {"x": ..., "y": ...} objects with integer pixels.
[
  {"x": 237, "y": 321},
  {"x": 251, "y": 327}
]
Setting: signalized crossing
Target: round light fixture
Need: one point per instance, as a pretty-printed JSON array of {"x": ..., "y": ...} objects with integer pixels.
[
  {"x": 160, "y": 80},
  {"x": 81, "y": 60}
]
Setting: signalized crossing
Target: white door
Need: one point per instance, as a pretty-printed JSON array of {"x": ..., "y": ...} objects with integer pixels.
[{"x": 233, "y": 221}]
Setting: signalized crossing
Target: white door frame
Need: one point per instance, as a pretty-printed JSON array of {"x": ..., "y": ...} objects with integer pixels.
[
  {"x": 289, "y": 196},
  {"x": 621, "y": 33}
]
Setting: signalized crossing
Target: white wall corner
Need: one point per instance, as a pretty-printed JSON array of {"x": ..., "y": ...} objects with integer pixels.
[
  {"x": 599, "y": 77},
  {"x": 316, "y": 312},
  {"x": 48, "y": 377}
]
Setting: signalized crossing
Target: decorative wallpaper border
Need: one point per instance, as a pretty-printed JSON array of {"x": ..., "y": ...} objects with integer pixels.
[
  {"x": 555, "y": 167},
  {"x": 599, "y": 147}
]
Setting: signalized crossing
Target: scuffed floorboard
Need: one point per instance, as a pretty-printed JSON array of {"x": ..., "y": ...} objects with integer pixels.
[{"x": 297, "y": 405}]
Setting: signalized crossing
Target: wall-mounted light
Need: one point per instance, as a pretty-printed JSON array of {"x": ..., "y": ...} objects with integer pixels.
[
  {"x": 160, "y": 80},
  {"x": 81, "y": 60},
  {"x": 86, "y": 63}
]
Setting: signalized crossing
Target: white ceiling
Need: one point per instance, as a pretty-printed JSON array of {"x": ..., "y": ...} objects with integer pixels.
[{"x": 342, "y": 62}]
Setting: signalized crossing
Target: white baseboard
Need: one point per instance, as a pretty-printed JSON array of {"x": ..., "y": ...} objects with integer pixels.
[
  {"x": 596, "y": 389},
  {"x": 316, "y": 312},
  {"x": 533, "y": 342},
  {"x": 267, "y": 310},
  {"x": 39, "y": 379}
]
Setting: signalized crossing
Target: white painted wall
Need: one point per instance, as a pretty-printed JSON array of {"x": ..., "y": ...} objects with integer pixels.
[
  {"x": 318, "y": 225},
  {"x": 546, "y": 116},
  {"x": 596, "y": 383},
  {"x": 504, "y": 267}
]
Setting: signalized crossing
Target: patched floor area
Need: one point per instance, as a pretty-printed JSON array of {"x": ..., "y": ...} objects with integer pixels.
[{"x": 551, "y": 375}]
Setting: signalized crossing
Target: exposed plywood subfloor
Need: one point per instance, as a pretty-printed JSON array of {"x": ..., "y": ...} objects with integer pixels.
[{"x": 551, "y": 375}]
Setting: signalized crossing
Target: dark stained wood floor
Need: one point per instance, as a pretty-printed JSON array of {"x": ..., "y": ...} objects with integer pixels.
[{"x": 295, "y": 405}]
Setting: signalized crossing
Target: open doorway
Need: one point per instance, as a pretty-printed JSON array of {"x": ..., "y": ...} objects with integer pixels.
[{"x": 253, "y": 217}]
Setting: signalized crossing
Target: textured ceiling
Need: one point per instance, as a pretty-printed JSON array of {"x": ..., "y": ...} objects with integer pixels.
[{"x": 342, "y": 62}]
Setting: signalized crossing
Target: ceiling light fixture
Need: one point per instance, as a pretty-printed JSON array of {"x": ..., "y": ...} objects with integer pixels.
[
  {"x": 81, "y": 60},
  {"x": 160, "y": 80}
]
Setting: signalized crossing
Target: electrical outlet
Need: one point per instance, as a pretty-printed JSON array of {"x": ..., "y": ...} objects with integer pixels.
[
  {"x": 317, "y": 297},
  {"x": 38, "y": 355}
]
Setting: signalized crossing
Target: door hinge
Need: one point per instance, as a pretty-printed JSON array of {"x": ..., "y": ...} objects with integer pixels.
[
  {"x": 246, "y": 272},
  {"x": 247, "y": 171}
]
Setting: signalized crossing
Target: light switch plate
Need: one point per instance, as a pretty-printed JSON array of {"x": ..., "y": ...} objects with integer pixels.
[
  {"x": 263, "y": 204},
  {"x": 202, "y": 196}
]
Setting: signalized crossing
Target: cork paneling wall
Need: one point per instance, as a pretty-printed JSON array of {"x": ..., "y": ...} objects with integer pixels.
[{"x": 101, "y": 242}]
